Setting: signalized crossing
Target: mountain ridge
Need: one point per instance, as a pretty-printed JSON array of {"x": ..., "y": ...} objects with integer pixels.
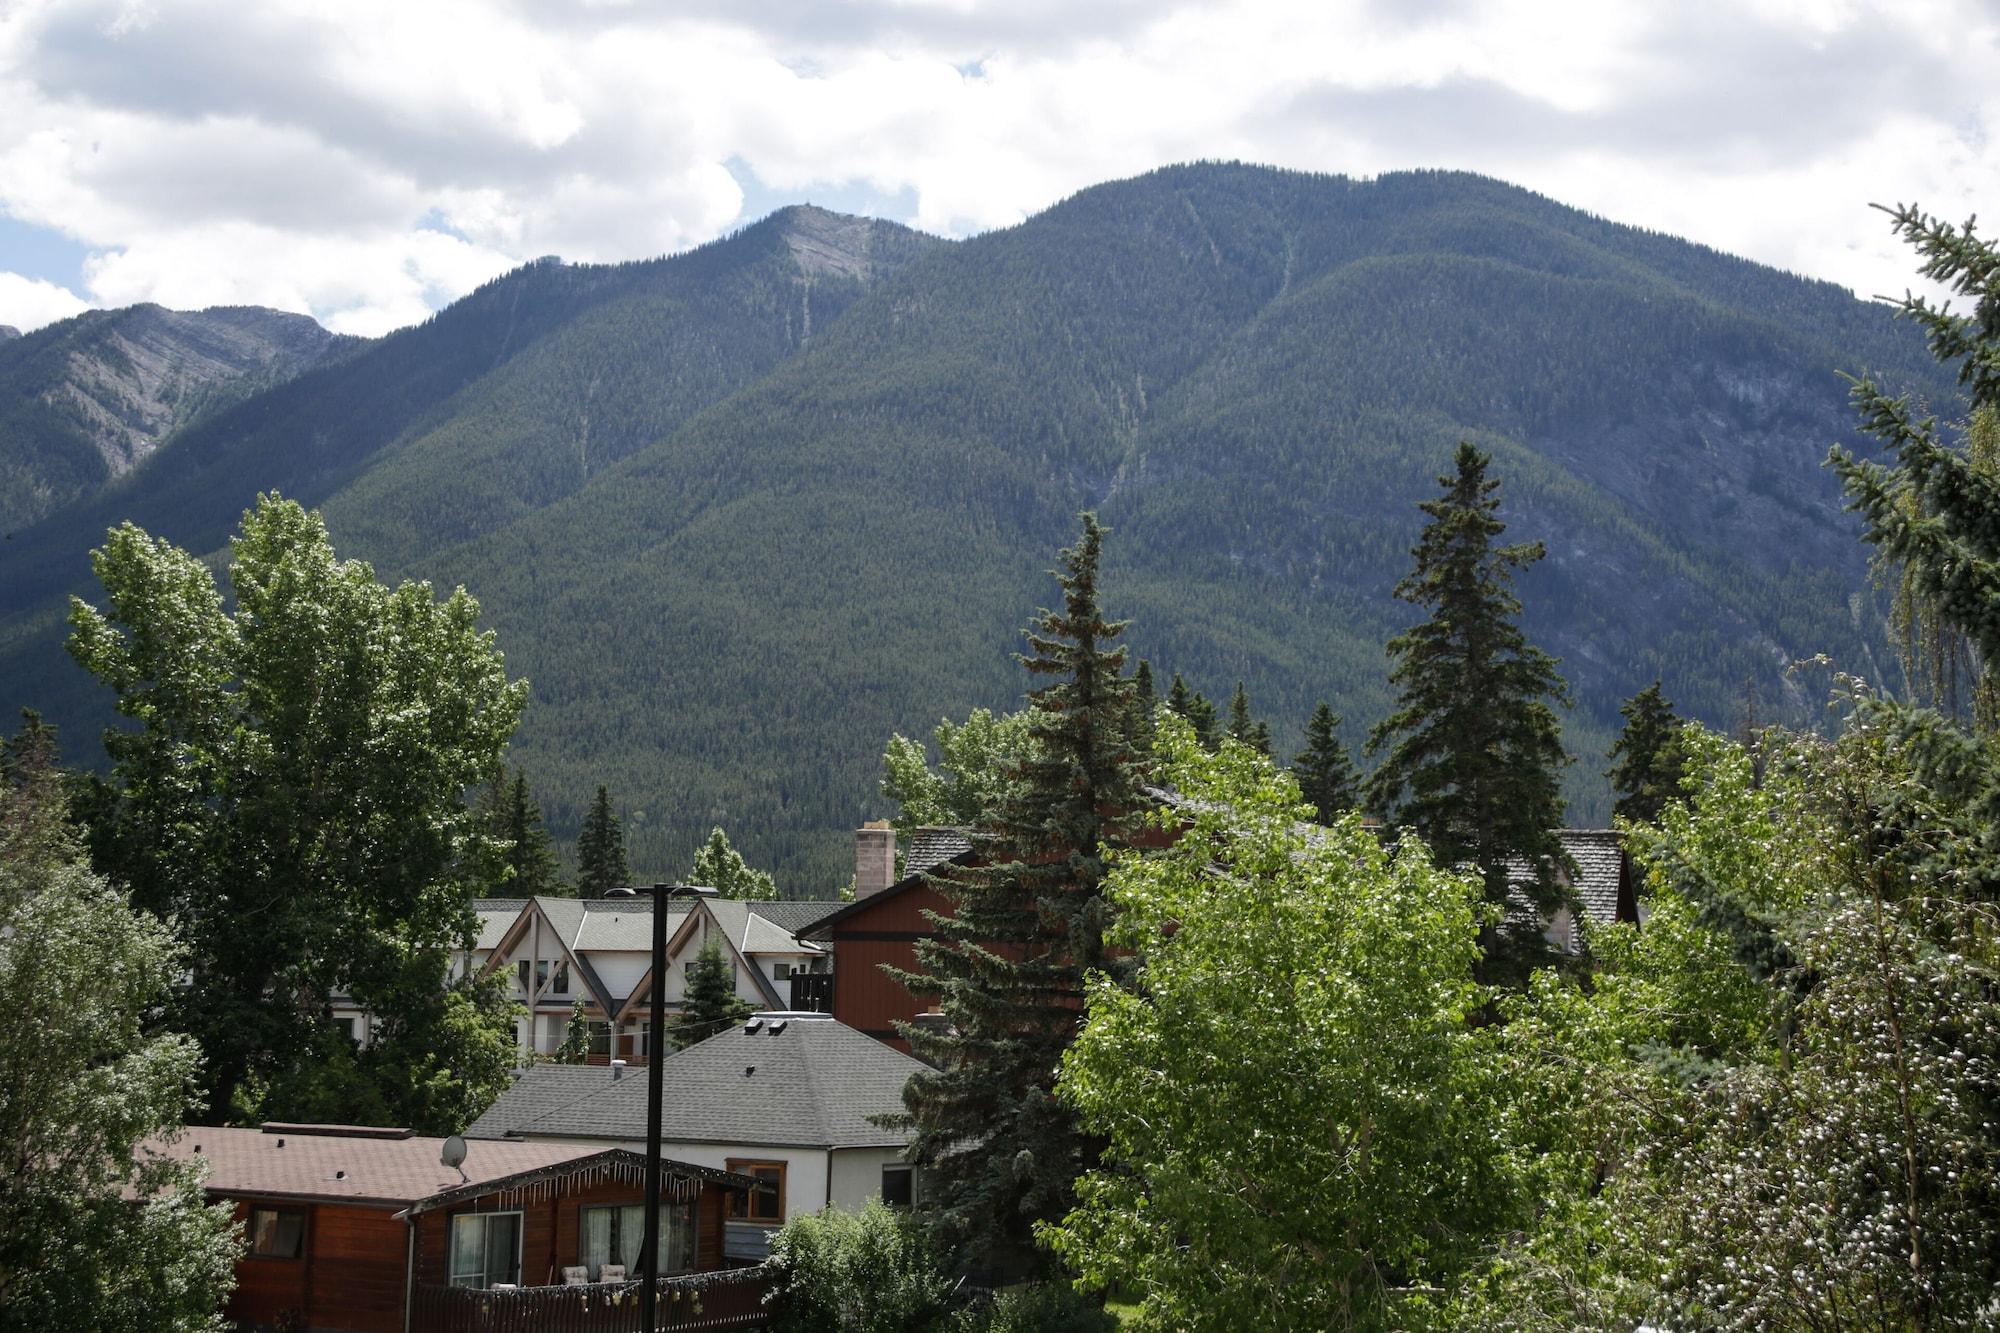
[{"x": 794, "y": 542}]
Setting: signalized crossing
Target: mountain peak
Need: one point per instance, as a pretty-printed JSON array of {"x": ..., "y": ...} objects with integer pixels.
[
  {"x": 8, "y": 331},
  {"x": 826, "y": 243}
]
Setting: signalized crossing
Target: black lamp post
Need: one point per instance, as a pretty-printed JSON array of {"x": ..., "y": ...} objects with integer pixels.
[{"x": 649, "y": 1257}]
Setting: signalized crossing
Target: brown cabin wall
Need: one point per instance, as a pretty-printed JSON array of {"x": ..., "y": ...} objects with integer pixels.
[
  {"x": 551, "y": 1231},
  {"x": 349, "y": 1275},
  {"x": 884, "y": 932}
]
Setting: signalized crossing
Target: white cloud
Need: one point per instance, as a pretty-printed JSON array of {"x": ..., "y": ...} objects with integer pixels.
[
  {"x": 29, "y": 303},
  {"x": 369, "y": 161}
]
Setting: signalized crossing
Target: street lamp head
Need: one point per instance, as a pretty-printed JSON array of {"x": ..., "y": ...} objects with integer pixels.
[
  {"x": 663, "y": 891},
  {"x": 621, "y": 893}
]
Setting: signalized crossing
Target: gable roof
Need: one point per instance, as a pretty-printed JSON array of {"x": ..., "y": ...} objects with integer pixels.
[
  {"x": 791, "y": 1080},
  {"x": 300, "y": 1164},
  {"x": 793, "y": 914},
  {"x": 581, "y": 1172},
  {"x": 933, "y": 845},
  {"x": 496, "y": 917},
  {"x": 536, "y": 1091},
  {"x": 580, "y": 925}
]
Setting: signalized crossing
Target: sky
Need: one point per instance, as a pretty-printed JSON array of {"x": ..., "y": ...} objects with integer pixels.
[{"x": 368, "y": 162}]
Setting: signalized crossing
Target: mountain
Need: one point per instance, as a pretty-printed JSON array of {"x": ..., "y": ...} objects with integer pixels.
[
  {"x": 84, "y": 401},
  {"x": 740, "y": 513}
]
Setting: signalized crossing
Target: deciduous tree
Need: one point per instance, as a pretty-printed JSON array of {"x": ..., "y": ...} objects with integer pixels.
[
  {"x": 291, "y": 796},
  {"x": 719, "y": 866},
  {"x": 93, "y": 1233}
]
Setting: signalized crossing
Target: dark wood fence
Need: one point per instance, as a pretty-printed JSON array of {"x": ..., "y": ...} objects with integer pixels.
[{"x": 729, "y": 1299}]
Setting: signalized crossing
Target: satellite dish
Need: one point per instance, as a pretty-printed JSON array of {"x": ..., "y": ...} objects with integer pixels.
[{"x": 453, "y": 1155}]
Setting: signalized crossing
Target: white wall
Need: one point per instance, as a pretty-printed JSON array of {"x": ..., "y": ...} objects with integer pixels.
[
  {"x": 805, "y": 1168},
  {"x": 857, "y": 1174}
]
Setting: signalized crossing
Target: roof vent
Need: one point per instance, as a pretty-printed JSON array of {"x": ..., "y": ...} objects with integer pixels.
[
  {"x": 753, "y": 1025},
  {"x": 748, "y": 1070},
  {"x": 617, "y": 1070},
  {"x": 340, "y": 1175},
  {"x": 779, "y": 1026}
]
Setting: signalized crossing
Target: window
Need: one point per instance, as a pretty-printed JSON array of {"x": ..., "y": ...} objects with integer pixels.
[
  {"x": 617, "y": 1234},
  {"x": 277, "y": 1233},
  {"x": 600, "y": 1038},
  {"x": 346, "y": 1026},
  {"x": 781, "y": 971},
  {"x": 555, "y": 983},
  {"x": 485, "y": 1249},
  {"x": 898, "y": 1186},
  {"x": 766, "y": 1203}
]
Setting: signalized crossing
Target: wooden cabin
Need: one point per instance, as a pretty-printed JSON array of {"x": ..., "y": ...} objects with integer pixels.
[{"x": 366, "y": 1230}]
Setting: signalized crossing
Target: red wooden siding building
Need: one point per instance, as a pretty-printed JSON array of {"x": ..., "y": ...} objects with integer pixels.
[{"x": 359, "y": 1230}]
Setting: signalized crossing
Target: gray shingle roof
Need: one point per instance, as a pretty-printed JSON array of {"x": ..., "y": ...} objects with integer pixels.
[
  {"x": 495, "y": 916},
  {"x": 539, "y": 1091},
  {"x": 792, "y": 914},
  {"x": 812, "y": 1083},
  {"x": 1600, "y": 860},
  {"x": 932, "y": 846},
  {"x": 622, "y": 923}
]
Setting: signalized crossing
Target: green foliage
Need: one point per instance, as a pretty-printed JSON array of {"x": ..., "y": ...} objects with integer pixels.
[
  {"x": 1293, "y": 1100},
  {"x": 1196, "y": 709},
  {"x": 1476, "y": 746},
  {"x": 600, "y": 851},
  {"x": 1038, "y": 1307},
  {"x": 292, "y": 799},
  {"x": 1323, "y": 770},
  {"x": 1027, "y": 928},
  {"x": 975, "y": 758},
  {"x": 868, "y": 1271},
  {"x": 1243, "y": 727},
  {"x": 575, "y": 1048},
  {"x": 1646, "y": 761},
  {"x": 529, "y": 858},
  {"x": 721, "y": 867},
  {"x": 84, "y": 1079},
  {"x": 710, "y": 1003}
]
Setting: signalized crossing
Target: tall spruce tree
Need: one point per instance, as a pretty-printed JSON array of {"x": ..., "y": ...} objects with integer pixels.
[
  {"x": 1244, "y": 727},
  {"x": 1145, "y": 698},
  {"x": 712, "y": 1004},
  {"x": 1325, "y": 772},
  {"x": 600, "y": 850},
  {"x": 530, "y": 855},
  {"x": 1473, "y": 750},
  {"x": 1196, "y": 708},
  {"x": 1027, "y": 923},
  {"x": 1646, "y": 758}
]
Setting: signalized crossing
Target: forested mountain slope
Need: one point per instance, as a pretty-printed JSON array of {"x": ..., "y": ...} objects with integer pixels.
[
  {"x": 84, "y": 401},
  {"x": 732, "y": 559}
]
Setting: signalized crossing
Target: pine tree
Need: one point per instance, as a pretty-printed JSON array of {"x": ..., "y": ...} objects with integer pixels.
[
  {"x": 575, "y": 1048},
  {"x": 1145, "y": 699},
  {"x": 529, "y": 855},
  {"x": 1646, "y": 758},
  {"x": 719, "y": 866},
  {"x": 1325, "y": 772},
  {"x": 1475, "y": 769},
  {"x": 1027, "y": 924},
  {"x": 600, "y": 850},
  {"x": 1196, "y": 708},
  {"x": 710, "y": 1004},
  {"x": 1245, "y": 728}
]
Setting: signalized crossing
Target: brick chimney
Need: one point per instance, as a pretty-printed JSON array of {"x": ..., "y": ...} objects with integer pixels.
[{"x": 874, "y": 858}]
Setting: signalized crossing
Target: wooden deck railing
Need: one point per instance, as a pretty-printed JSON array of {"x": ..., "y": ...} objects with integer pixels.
[{"x": 728, "y": 1299}]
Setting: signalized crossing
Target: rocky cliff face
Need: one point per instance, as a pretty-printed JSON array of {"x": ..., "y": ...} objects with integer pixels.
[{"x": 88, "y": 399}]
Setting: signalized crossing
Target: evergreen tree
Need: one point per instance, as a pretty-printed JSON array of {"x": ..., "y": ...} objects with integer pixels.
[
  {"x": 1646, "y": 758},
  {"x": 600, "y": 850},
  {"x": 1473, "y": 749},
  {"x": 1325, "y": 772},
  {"x": 1145, "y": 700},
  {"x": 530, "y": 855},
  {"x": 719, "y": 866},
  {"x": 1195, "y": 707},
  {"x": 710, "y": 1004},
  {"x": 1245, "y": 728},
  {"x": 575, "y": 1048},
  {"x": 1027, "y": 925}
]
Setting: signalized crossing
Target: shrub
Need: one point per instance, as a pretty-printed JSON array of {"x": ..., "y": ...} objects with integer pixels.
[{"x": 866, "y": 1272}]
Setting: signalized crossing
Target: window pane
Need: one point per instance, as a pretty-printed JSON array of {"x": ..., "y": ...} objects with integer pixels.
[
  {"x": 468, "y": 1251},
  {"x": 596, "y": 1247},
  {"x": 678, "y": 1257},
  {"x": 503, "y": 1248},
  {"x": 631, "y": 1237},
  {"x": 290, "y": 1231},
  {"x": 896, "y": 1186}
]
